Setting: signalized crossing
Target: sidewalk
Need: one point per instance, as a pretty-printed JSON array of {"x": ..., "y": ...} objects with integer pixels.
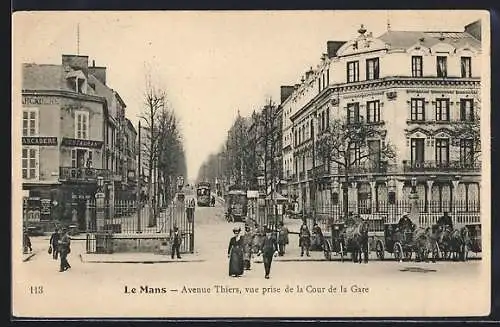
[
  {"x": 28, "y": 256},
  {"x": 132, "y": 257}
]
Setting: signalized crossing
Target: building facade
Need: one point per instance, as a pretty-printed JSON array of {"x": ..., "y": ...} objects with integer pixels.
[
  {"x": 64, "y": 139},
  {"x": 416, "y": 90}
]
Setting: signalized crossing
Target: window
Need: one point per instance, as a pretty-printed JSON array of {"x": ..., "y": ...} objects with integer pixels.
[
  {"x": 465, "y": 64},
  {"x": 417, "y": 151},
  {"x": 327, "y": 76},
  {"x": 441, "y": 66},
  {"x": 311, "y": 133},
  {"x": 295, "y": 140},
  {"x": 322, "y": 120},
  {"x": 353, "y": 113},
  {"x": 30, "y": 163},
  {"x": 374, "y": 153},
  {"x": 319, "y": 85},
  {"x": 466, "y": 109},
  {"x": 416, "y": 66},
  {"x": 81, "y": 158},
  {"x": 352, "y": 71},
  {"x": 30, "y": 122},
  {"x": 442, "y": 109},
  {"x": 354, "y": 154},
  {"x": 466, "y": 152},
  {"x": 82, "y": 125},
  {"x": 373, "y": 111},
  {"x": 417, "y": 110},
  {"x": 442, "y": 152},
  {"x": 372, "y": 69}
]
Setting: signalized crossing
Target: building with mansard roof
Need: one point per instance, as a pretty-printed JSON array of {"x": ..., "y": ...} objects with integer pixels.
[
  {"x": 415, "y": 89},
  {"x": 69, "y": 130}
]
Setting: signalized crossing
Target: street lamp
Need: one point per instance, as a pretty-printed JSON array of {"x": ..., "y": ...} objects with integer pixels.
[{"x": 413, "y": 185}]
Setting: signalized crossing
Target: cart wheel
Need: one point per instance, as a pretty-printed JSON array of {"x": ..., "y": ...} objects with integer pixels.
[
  {"x": 398, "y": 251},
  {"x": 379, "y": 250},
  {"x": 341, "y": 251},
  {"x": 327, "y": 251}
]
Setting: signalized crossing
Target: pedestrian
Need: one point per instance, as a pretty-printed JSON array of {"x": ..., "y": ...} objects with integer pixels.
[
  {"x": 64, "y": 248},
  {"x": 282, "y": 239},
  {"x": 317, "y": 237},
  {"x": 269, "y": 249},
  {"x": 54, "y": 243},
  {"x": 176, "y": 243},
  {"x": 304, "y": 239},
  {"x": 26, "y": 242},
  {"x": 445, "y": 221},
  {"x": 235, "y": 254},
  {"x": 247, "y": 247}
]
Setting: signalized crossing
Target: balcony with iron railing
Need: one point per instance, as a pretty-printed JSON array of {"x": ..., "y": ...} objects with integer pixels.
[{"x": 83, "y": 174}]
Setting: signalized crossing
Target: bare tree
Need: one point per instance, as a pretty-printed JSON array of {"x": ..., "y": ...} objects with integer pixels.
[
  {"x": 347, "y": 144},
  {"x": 154, "y": 104},
  {"x": 468, "y": 131}
]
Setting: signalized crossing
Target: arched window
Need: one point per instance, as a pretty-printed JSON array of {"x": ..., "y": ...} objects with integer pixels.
[
  {"x": 382, "y": 198},
  {"x": 364, "y": 198}
]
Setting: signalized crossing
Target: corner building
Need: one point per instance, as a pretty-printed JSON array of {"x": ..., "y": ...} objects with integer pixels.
[{"x": 415, "y": 88}]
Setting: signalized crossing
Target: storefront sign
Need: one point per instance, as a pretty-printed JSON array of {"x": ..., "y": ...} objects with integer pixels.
[
  {"x": 27, "y": 140},
  {"x": 81, "y": 143},
  {"x": 131, "y": 174},
  {"x": 40, "y": 99},
  {"x": 45, "y": 206}
]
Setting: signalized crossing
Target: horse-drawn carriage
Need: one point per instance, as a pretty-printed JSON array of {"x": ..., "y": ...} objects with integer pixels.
[
  {"x": 334, "y": 242},
  {"x": 403, "y": 242},
  {"x": 347, "y": 237}
]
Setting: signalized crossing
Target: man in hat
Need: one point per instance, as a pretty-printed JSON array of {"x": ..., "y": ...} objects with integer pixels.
[
  {"x": 176, "y": 243},
  {"x": 268, "y": 249},
  {"x": 445, "y": 221},
  {"x": 405, "y": 223},
  {"x": 304, "y": 239},
  {"x": 54, "y": 242},
  {"x": 282, "y": 238},
  {"x": 64, "y": 247}
]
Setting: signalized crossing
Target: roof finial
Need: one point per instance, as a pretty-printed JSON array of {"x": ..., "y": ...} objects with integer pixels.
[
  {"x": 362, "y": 29},
  {"x": 388, "y": 24}
]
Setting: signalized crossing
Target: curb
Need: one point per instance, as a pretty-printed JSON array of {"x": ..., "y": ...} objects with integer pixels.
[
  {"x": 142, "y": 261},
  {"x": 28, "y": 258}
]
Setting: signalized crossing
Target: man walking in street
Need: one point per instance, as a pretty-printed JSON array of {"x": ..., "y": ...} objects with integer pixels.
[
  {"x": 176, "y": 243},
  {"x": 282, "y": 238},
  {"x": 268, "y": 249},
  {"x": 54, "y": 243},
  {"x": 64, "y": 247}
]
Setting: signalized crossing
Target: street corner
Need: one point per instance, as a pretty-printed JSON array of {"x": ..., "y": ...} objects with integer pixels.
[{"x": 138, "y": 258}]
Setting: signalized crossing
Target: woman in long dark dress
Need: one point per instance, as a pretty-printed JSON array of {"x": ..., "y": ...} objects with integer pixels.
[{"x": 235, "y": 254}]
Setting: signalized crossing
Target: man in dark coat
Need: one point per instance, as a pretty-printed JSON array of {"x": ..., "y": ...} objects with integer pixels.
[
  {"x": 64, "y": 247},
  {"x": 445, "y": 221},
  {"x": 282, "y": 238},
  {"x": 176, "y": 243},
  {"x": 268, "y": 249},
  {"x": 54, "y": 243},
  {"x": 304, "y": 239}
]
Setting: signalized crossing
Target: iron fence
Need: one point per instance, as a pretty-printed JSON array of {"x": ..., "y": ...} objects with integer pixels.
[{"x": 380, "y": 213}]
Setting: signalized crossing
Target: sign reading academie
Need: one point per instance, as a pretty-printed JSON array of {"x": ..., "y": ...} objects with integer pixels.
[{"x": 47, "y": 140}]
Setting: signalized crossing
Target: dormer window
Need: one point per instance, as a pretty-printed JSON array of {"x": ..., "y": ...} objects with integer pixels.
[{"x": 77, "y": 81}]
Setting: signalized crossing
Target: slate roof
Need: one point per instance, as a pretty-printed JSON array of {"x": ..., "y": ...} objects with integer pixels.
[{"x": 406, "y": 39}]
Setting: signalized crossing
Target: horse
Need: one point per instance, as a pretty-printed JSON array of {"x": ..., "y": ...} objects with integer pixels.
[
  {"x": 443, "y": 235},
  {"x": 355, "y": 238},
  {"x": 460, "y": 243}
]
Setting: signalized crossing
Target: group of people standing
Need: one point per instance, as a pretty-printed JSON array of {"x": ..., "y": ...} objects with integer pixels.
[
  {"x": 310, "y": 241},
  {"x": 262, "y": 241}
]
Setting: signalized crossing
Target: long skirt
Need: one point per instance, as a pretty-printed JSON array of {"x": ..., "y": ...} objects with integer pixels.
[{"x": 236, "y": 261}]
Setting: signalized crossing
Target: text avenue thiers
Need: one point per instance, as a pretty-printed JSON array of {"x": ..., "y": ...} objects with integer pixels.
[{"x": 223, "y": 289}]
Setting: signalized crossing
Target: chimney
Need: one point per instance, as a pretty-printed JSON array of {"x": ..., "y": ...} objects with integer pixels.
[
  {"x": 76, "y": 62},
  {"x": 332, "y": 47},
  {"x": 474, "y": 29},
  {"x": 98, "y": 72},
  {"x": 286, "y": 91}
]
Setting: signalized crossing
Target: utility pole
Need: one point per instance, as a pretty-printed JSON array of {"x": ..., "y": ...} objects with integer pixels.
[{"x": 139, "y": 182}]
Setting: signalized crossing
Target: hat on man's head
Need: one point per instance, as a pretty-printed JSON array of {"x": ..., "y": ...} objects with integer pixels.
[{"x": 236, "y": 229}]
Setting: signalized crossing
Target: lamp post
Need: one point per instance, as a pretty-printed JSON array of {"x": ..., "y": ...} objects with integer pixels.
[
  {"x": 413, "y": 197},
  {"x": 262, "y": 185},
  {"x": 100, "y": 197}
]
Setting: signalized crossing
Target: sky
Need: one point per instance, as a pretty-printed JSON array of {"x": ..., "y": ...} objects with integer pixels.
[{"x": 211, "y": 64}]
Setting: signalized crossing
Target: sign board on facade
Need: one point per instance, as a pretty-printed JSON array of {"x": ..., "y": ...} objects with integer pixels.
[
  {"x": 131, "y": 174},
  {"x": 81, "y": 143},
  {"x": 40, "y": 100},
  {"x": 45, "y": 206},
  {"x": 50, "y": 140},
  {"x": 252, "y": 194}
]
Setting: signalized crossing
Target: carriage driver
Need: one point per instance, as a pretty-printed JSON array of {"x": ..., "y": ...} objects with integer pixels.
[
  {"x": 405, "y": 222},
  {"x": 445, "y": 221}
]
